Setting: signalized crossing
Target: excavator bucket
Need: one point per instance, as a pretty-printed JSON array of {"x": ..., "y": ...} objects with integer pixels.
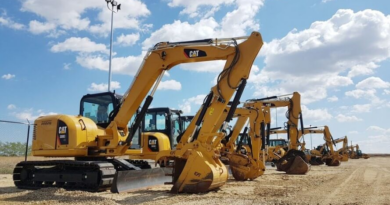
[
  {"x": 198, "y": 173},
  {"x": 242, "y": 169},
  {"x": 293, "y": 162},
  {"x": 316, "y": 161},
  {"x": 344, "y": 157},
  {"x": 332, "y": 162},
  {"x": 131, "y": 180}
]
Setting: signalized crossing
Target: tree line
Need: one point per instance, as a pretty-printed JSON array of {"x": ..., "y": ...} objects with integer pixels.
[{"x": 13, "y": 149}]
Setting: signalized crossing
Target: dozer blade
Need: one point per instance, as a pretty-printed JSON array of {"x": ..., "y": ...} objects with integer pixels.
[
  {"x": 293, "y": 163},
  {"x": 332, "y": 162},
  {"x": 125, "y": 181},
  {"x": 199, "y": 173}
]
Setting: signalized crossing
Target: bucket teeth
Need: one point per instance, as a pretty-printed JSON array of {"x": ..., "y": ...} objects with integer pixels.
[{"x": 168, "y": 183}]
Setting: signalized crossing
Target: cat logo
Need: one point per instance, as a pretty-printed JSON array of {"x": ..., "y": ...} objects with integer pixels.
[
  {"x": 152, "y": 142},
  {"x": 62, "y": 130},
  {"x": 194, "y": 53}
]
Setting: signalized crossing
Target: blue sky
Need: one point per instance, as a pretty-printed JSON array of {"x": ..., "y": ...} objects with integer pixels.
[{"x": 334, "y": 52}]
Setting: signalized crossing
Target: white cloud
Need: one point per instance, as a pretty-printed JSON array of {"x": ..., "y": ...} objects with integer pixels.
[
  {"x": 234, "y": 23},
  {"x": 369, "y": 94},
  {"x": 372, "y": 83},
  {"x": 122, "y": 65},
  {"x": 325, "y": 1},
  {"x": 187, "y": 103},
  {"x": 67, "y": 66},
  {"x": 102, "y": 87},
  {"x": 315, "y": 114},
  {"x": 386, "y": 92},
  {"x": 37, "y": 27},
  {"x": 200, "y": 7},
  {"x": 179, "y": 31},
  {"x": 11, "y": 107},
  {"x": 333, "y": 99},
  {"x": 344, "y": 118},
  {"x": 378, "y": 141},
  {"x": 169, "y": 85},
  {"x": 8, "y": 22},
  {"x": 8, "y": 76},
  {"x": 366, "y": 69},
  {"x": 361, "y": 108},
  {"x": 378, "y": 129},
  {"x": 337, "y": 81},
  {"x": 127, "y": 40},
  {"x": 68, "y": 15},
  {"x": 76, "y": 44},
  {"x": 304, "y": 60},
  {"x": 31, "y": 114}
]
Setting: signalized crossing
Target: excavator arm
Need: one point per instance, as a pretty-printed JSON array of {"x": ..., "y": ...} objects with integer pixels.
[
  {"x": 329, "y": 156},
  {"x": 196, "y": 162},
  {"x": 343, "y": 151},
  {"x": 249, "y": 165},
  {"x": 294, "y": 161}
]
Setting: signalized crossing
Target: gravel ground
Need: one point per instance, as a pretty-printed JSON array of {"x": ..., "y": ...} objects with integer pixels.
[{"x": 360, "y": 181}]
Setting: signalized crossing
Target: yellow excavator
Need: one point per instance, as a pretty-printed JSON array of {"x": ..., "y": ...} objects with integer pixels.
[
  {"x": 96, "y": 145},
  {"x": 343, "y": 151},
  {"x": 196, "y": 161},
  {"x": 248, "y": 164},
  {"x": 356, "y": 154},
  {"x": 294, "y": 161},
  {"x": 324, "y": 153}
]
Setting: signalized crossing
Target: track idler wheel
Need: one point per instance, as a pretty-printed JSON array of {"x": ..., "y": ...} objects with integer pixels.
[{"x": 293, "y": 162}]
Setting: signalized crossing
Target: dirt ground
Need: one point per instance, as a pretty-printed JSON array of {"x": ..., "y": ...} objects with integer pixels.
[{"x": 359, "y": 181}]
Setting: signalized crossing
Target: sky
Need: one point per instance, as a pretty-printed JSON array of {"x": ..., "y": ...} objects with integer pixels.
[{"x": 333, "y": 52}]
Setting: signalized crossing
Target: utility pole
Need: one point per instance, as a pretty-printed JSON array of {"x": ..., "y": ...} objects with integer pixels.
[{"x": 118, "y": 7}]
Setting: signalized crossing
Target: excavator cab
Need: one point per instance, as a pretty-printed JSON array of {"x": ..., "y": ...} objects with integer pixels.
[
  {"x": 164, "y": 120},
  {"x": 278, "y": 142},
  {"x": 99, "y": 106}
]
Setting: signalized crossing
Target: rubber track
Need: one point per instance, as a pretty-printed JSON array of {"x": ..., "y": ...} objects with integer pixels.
[{"x": 105, "y": 171}]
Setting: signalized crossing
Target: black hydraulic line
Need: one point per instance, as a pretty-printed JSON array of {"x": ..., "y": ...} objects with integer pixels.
[
  {"x": 250, "y": 144},
  {"x": 268, "y": 132},
  {"x": 241, "y": 139},
  {"x": 28, "y": 136},
  {"x": 308, "y": 128},
  {"x": 138, "y": 119},
  {"x": 236, "y": 100},
  {"x": 207, "y": 41},
  {"x": 204, "y": 109},
  {"x": 205, "y": 105},
  {"x": 262, "y": 132},
  {"x": 275, "y": 128},
  {"x": 288, "y": 131},
  {"x": 301, "y": 119},
  {"x": 266, "y": 98}
]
